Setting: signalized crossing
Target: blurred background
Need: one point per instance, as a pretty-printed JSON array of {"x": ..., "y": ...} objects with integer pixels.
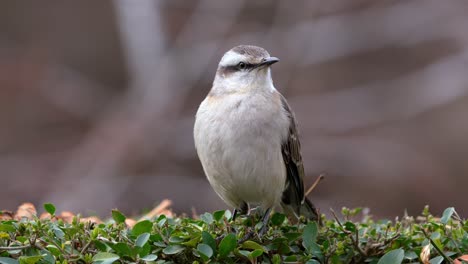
[{"x": 97, "y": 99}]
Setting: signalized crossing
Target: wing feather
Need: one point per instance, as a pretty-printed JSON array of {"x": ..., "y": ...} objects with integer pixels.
[{"x": 291, "y": 149}]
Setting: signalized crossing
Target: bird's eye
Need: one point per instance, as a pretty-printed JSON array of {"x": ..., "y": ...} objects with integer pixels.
[{"x": 242, "y": 65}]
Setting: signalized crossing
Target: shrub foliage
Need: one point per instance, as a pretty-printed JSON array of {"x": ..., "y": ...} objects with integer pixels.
[{"x": 353, "y": 237}]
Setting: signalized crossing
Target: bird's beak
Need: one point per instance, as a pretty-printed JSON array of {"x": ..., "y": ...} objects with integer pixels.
[{"x": 268, "y": 61}]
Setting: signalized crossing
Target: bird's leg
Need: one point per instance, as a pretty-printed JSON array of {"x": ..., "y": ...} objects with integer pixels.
[
  {"x": 244, "y": 209},
  {"x": 266, "y": 218}
]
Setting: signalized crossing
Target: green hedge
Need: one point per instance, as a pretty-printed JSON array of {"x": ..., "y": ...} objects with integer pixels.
[{"x": 355, "y": 238}]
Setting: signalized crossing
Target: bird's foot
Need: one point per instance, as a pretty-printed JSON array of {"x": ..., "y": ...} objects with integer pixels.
[
  {"x": 219, "y": 238},
  {"x": 246, "y": 237}
]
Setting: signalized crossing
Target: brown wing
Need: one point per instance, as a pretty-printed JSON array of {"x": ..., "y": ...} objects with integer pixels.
[{"x": 293, "y": 194}]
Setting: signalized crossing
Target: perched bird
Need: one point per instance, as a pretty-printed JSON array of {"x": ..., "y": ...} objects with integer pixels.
[{"x": 246, "y": 138}]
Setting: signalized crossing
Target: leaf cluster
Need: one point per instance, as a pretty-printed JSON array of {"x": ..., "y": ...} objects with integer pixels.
[{"x": 214, "y": 238}]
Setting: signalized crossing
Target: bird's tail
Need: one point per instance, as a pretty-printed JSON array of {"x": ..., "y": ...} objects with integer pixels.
[{"x": 309, "y": 211}]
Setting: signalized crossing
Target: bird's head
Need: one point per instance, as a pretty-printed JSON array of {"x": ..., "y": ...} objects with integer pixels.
[{"x": 244, "y": 68}]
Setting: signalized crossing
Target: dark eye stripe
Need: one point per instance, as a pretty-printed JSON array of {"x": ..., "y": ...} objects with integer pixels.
[{"x": 226, "y": 70}]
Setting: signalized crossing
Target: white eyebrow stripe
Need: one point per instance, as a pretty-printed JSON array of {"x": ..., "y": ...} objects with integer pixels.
[{"x": 231, "y": 58}]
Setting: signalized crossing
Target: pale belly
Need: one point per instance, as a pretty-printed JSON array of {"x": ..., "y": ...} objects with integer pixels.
[
  {"x": 250, "y": 171},
  {"x": 242, "y": 158}
]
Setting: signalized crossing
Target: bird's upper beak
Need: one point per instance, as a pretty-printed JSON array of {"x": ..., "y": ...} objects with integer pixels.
[{"x": 268, "y": 61}]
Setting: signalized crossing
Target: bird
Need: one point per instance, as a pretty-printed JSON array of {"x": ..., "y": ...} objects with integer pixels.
[{"x": 247, "y": 140}]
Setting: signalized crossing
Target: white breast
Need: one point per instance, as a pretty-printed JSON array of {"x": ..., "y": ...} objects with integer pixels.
[{"x": 238, "y": 139}]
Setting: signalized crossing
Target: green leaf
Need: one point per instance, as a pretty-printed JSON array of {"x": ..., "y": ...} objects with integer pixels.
[
  {"x": 53, "y": 250},
  {"x": 105, "y": 258},
  {"x": 122, "y": 249},
  {"x": 173, "y": 249},
  {"x": 8, "y": 261},
  {"x": 253, "y": 245},
  {"x": 437, "y": 260},
  {"x": 118, "y": 216},
  {"x": 141, "y": 227},
  {"x": 309, "y": 236},
  {"x": 292, "y": 236},
  {"x": 150, "y": 257},
  {"x": 255, "y": 254},
  {"x": 29, "y": 259},
  {"x": 313, "y": 261},
  {"x": 207, "y": 218},
  {"x": 392, "y": 257},
  {"x": 209, "y": 240},
  {"x": 205, "y": 250},
  {"x": 218, "y": 215},
  {"x": 50, "y": 208},
  {"x": 276, "y": 259},
  {"x": 350, "y": 226},
  {"x": 143, "y": 251},
  {"x": 227, "y": 245},
  {"x": 142, "y": 239},
  {"x": 7, "y": 228},
  {"x": 277, "y": 219},
  {"x": 447, "y": 215},
  {"x": 58, "y": 232}
]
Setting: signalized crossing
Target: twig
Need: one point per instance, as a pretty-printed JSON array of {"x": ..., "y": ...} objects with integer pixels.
[
  {"x": 447, "y": 258},
  {"x": 312, "y": 187},
  {"x": 158, "y": 209},
  {"x": 355, "y": 241},
  {"x": 15, "y": 247}
]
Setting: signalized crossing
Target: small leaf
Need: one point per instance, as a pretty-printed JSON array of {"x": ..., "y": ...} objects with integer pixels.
[
  {"x": 122, "y": 249},
  {"x": 142, "y": 239},
  {"x": 7, "y": 228},
  {"x": 253, "y": 245},
  {"x": 105, "y": 258},
  {"x": 447, "y": 215},
  {"x": 218, "y": 215},
  {"x": 209, "y": 240},
  {"x": 29, "y": 259},
  {"x": 8, "y": 261},
  {"x": 141, "y": 227},
  {"x": 392, "y": 257},
  {"x": 255, "y": 254},
  {"x": 350, "y": 226},
  {"x": 276, "y": 259},
  {"x": 53, "y": 250},
  {"x": 58, "y": 232},
  {"x": 437, "y": 260},
  {"x": 205, "y": 250},
  {"x": 50, "y": 208},
  {"x": 150, "y": 257},
  {"x": 309, "y": 236},
  {"x": 118, "y": 216},
  {"x": 173, "y": 249},
  {"x": 227, "y": 245},
  {"x": 277, "y": 219},
  {"x": 207, "y": 218}
]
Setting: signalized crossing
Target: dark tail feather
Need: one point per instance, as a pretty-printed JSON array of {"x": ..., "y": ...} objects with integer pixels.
[{"x": 309, "y": 211}]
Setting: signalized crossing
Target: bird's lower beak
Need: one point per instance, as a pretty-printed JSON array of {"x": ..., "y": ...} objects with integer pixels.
[{"x": 268, "y": 61}]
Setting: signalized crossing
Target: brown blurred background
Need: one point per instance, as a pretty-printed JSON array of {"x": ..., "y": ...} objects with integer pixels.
[{"x": 97, "y": 99}]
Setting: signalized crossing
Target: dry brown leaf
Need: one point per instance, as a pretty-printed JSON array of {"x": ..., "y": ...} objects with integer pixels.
[
  {"x": 163, "y": 206},
  {"x": 6, "y": 215},
  {"x": 45, "y": 216},
  {"x": 130, "y": 222},
  {"x": 66, "y": 216},
  {"x": 425, "y": 254},
  {"x": 26, "y": 210},
  {"x": 460, "y": 259}
]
